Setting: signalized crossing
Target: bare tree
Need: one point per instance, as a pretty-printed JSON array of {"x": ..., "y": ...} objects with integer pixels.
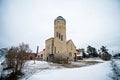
[
  {"x": 24, "y": 50},
  {"x": 16, "y": 57},
  {"x": 10, "y": 57}
]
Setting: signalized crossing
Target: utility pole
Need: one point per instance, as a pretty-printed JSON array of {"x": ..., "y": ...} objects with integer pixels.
[{"x": 36, "y": 53}]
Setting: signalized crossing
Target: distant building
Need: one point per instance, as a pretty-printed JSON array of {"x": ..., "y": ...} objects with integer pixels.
[
  {"x": 58, "y": 45},
  {"x": 106, "y": 56},
  {"x": 79, "y": 54},
  {"x": 41, "y": 55}
]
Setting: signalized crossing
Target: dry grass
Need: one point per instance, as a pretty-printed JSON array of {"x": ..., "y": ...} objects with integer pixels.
[{"x": 77, "y": 64}]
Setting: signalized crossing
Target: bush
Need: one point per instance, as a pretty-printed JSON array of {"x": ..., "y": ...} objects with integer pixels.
[{"x": 61, "y": 59}]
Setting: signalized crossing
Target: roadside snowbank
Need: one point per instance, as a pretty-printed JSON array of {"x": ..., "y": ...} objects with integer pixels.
[{"x": 115, "y": 63}]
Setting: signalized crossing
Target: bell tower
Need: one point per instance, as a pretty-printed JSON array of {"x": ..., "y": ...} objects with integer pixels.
[
  {"x": 60, "y": 35},
  {"x": 60, "y": 28}
]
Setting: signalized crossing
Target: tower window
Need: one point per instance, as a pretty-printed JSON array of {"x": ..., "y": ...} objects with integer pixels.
[
  {"x": 61, "y": 37},
  {"x": 57, "y": 34}
]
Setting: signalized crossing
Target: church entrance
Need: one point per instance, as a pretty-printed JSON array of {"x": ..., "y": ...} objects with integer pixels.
[
  {"x": 51, "y": 57},
  {"x": 75, "y": 57}
]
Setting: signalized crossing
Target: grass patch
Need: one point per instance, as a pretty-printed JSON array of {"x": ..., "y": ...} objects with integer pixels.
[{"x": 76, "y": 64}]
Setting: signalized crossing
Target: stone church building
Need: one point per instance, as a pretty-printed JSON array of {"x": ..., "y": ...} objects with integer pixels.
[{"x": 58, "y": 45}]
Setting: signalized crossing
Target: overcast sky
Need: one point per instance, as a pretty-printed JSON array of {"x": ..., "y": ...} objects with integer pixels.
[{"x": 88, "y": 22}]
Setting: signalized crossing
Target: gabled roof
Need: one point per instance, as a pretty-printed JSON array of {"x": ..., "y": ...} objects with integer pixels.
[
  {"x": 70, "y": 41},
  {"x": 50, "y": 38},
  {"x": 41, "y": 52}
]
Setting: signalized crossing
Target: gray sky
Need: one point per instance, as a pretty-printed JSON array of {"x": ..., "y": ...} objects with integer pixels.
[{"x": 89, "y": 22}]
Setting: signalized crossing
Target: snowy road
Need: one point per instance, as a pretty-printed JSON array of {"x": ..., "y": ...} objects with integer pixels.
[{"x": 100, "y": 71}]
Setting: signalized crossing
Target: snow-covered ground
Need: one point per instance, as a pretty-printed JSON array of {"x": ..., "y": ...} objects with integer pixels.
[
  {"x": 31, "y": 68},
  {"x": 42, "y": 70},
  {"x": 115, "y": 63},
  {"x": 1, "y": 60}
]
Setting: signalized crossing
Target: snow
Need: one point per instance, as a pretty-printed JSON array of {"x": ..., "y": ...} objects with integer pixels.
[
  {"x": 115, "y": 63},
  {"x": 44, "y": 71},
  {"x": 1, "y": 60},
  {"x": 30, "y": 67}
]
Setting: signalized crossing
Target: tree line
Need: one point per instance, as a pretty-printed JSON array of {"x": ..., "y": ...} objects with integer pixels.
[{"x": 93, "y": 52}]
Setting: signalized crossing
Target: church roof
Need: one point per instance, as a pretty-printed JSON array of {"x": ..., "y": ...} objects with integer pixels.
[
  {"x": 59, "y": 18},
  {"x": 50, "y": 39},
  {"x": 70, "y": 41}
]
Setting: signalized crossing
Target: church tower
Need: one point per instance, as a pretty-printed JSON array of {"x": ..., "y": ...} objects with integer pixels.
[
  {"x": 58, "y": 46},
  {"x": 60, "y": 35}
]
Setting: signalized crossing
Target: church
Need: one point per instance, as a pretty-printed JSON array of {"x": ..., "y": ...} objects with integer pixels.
[{"x": 58, "y": 45}]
